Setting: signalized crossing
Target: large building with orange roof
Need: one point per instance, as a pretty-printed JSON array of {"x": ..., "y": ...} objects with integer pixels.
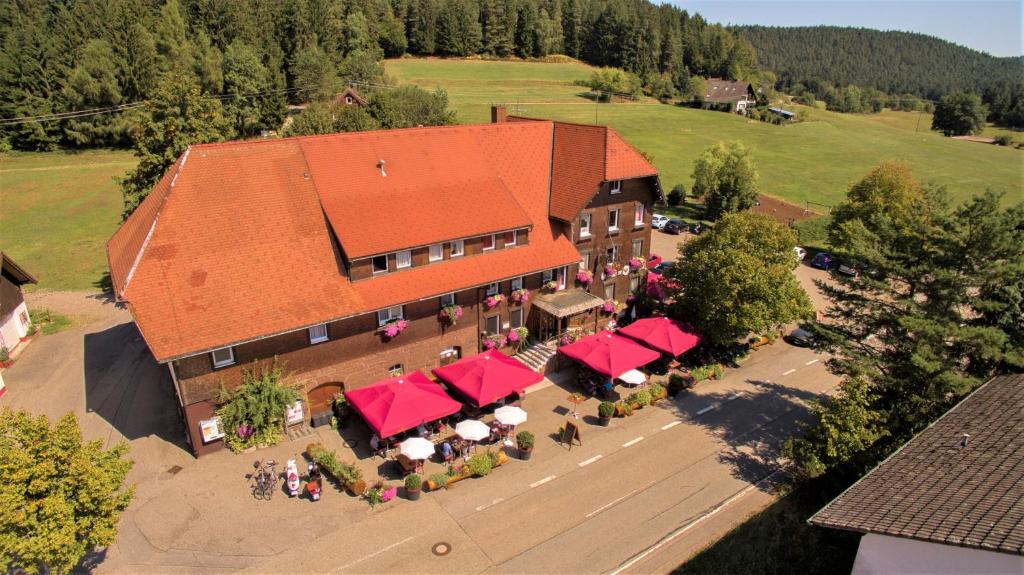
[{"x": 316, "y": 250}]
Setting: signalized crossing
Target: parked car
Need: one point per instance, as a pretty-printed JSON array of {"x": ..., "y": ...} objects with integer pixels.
[
  {"x": 675, "y": 227},
  {"x": 847, "y": 269},
  {"x": 800, "y": 337},
  {"x": 822, "y": 261},
  {"x": 659, "y": 221},
  {"x": 663, "y": 267},
  {"x": 800, "y": 253}
]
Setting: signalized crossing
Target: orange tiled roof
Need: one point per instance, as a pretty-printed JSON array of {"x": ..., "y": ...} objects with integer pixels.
[
  {"x": 235, "y": 245},
  {"x": 623, "y": 161}
]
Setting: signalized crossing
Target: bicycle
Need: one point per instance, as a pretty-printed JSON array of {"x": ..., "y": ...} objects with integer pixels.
[{"x": 264, "y": 479}]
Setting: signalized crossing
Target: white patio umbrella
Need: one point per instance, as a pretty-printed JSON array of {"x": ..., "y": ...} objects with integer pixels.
[
  {"x": 510, "y": 415},
  {"x": 416, "y": 448},
  {"x": 472, "y": 430},
  {"x": 633, "y": 377}
]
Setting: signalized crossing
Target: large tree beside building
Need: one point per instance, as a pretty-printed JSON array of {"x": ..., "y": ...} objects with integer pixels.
[
  {"x": 738, "y": 278},
  {"x": 934, "y": 311},
  {"x": 725, "y": 176},
  {"x": 60, "y": 497}
]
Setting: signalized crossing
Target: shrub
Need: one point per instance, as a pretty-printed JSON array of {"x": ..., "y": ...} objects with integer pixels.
[
  {"x": 525, "y": 440},
  {"x": 657, "y": 391},
  {"x": 718, "y": 370},
  {"x": 642, "y": 397},
  {"x": 259, "y": 402},
  {"x": 1003, "y": 140},
  {"x": 606, "y": 409},
  {"x": 479, "y": 465},
  {"x": 676, "y": 380},
  {"x": 700, "y": 373},
  {"x": 676, "y": 196},
  {"x": 413, "y": 482},
  {"x": 493, "y": 455},
  {"x": 440, "y": 480},
  {"x": 5, "y": 355},
  {"x": 375, "y": 494}
]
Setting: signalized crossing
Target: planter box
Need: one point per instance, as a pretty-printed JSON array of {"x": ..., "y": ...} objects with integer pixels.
[{"x": 502, "y": 460}]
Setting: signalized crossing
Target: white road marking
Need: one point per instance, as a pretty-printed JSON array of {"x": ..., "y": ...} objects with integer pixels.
[
  {"x": 788, "y": 372},
  {"x": 670, "y": 425},
  {"x": 607, "y": 505},
  {"x": 812, "y": 362},
  {"x": 374, "y": 554},
  {"x": 705, "y": 410},
  {"x": 633, "y": 441},
  {"x": 589, "y": 461},
  {"x": 542, "y": 481},
  {"x": 736, "y": 395},
  {"x": 492, "y": 503}
]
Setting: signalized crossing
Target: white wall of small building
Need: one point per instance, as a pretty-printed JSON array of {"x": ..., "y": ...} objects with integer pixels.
[
  {"x": 13, "y": 327},
  {"x": 880, "y": 554}
]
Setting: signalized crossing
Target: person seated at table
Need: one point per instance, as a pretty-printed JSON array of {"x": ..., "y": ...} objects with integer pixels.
[
  {"x": 377, "y": 447},
  {"x": 422, "y": 431},
  {"x": 606, "y": 389},
  {"x": 447, "y": 454}
]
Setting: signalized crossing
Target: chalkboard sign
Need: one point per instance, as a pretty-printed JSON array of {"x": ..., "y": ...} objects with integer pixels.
[{"x": 570, "y": 434}]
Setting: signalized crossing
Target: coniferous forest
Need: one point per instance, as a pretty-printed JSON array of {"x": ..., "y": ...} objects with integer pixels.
[{"x": 256, "y": 56}]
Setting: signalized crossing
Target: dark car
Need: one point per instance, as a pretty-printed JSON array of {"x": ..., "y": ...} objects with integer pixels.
[
  {"x": 675, "y": 227},
  {"x": 663, "y": 267},
  {"x": 822, "y": 261},
  {"x": 800, "y": 337}
]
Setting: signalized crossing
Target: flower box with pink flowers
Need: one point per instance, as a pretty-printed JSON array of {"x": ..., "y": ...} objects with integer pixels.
[
  {"x": 520, "y": 295},
  {"x": 493, "y": 300},
  {"x": 394, "y": 328},
  {"x": 585, "y": 277}
]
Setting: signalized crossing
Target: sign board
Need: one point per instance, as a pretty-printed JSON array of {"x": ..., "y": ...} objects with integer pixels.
[
  {"x": 571, "y": 434},
  {"x": 211, "y": 429},
  {"x": 293, "y": 413}
]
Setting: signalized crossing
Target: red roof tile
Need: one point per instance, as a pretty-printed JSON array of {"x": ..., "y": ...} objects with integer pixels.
[
  {"x": 622, "y": 161},
  {"x": 239, "y": 247}
]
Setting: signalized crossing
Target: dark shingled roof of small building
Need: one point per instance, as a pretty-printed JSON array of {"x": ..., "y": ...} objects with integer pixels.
[{"x": 944, "y": 487}]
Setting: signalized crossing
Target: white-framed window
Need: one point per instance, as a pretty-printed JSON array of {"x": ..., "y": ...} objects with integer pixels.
[
  {"x": 560, "y": 275},
  {"x": 584, "y": 225},
  {"x": 638, "y": 214},
  {"x": 511, "y": 238},
  {"x": 515, "y": 318},
  {"x": 403, "y": 259},
  {"x": 615, "y": 187},
  {"x": 634, "y": 284},
  {"x": 380, "y": 264},
  {"x": 489, "y": 242},
  {"x": 638, "y": 248},
  {"x": 585, "y": 260},
  {"x": 318, "y": 333},
  {"x": 547, "y": 276},
  {"x": 458, "y": 248},
  {"x": 223, "y": 357},
  {"x": 613, "y": 254},
  {"x": 450, "y": 355},
  {"x": 493, "y": 324},
  {"x": 613, "y": 220},
  {"x": 609, "y": 290},
  {"x": 386, "y": 315},
  {"x": 396, "y": 370},
  {"x": 492, "y": 289},
  {"x": 447, "y": 299},
  {"x": 517, "y": 283},
  {"x": 436, "y": 252}
]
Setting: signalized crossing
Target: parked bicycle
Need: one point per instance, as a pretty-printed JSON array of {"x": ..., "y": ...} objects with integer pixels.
[{"x": 264, "y": 479}]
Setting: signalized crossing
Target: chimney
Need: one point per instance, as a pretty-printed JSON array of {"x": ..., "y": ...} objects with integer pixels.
[
  {"x": 964, "y": 439},
  {"x": 498, "y": 114}
]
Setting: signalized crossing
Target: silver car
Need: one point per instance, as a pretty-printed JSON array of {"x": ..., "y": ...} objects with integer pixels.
[{"x": 659, "y": 221}]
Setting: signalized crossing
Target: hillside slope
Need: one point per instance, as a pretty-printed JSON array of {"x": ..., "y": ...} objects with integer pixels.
[{"x": 891, "y": 61}]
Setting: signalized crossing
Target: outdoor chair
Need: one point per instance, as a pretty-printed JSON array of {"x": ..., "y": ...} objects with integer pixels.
[{"x": 406, "y": 465}]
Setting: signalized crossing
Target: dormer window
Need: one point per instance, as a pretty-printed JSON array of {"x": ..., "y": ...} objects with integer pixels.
[
  {"x": 403, "y": 259},
  {"x": 380, "y": 264},
  {"x": 488, "y": 242},
  {"x": 458, "y": 248},
  {"x": 436, "y": 252},
  {"x": 615, "y": 187}
]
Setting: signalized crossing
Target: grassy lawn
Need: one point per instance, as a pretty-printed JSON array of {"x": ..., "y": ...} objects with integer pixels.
[
  {"x": 57, "y": 210},
  {"x": 814, "y": 161},
  {"x": 779, "y": 541}
]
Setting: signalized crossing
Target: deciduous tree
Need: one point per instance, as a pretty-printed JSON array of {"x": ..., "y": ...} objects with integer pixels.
[
  {"x": 725, "y": 176},
  {"x": 961, "y": 114}
]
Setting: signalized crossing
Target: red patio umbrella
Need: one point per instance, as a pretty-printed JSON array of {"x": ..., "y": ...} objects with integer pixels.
[
  {"x": 394, "y": 405},
  {"x": 487, "y": 377},
  {"x": 663, "y": 334},
  {"x": 609, "y": 354}
]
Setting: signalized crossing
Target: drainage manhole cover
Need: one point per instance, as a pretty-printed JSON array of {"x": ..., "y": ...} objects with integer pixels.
[
  {"x": 441, "y": 549},
  {"x": 174, "y": 470}
]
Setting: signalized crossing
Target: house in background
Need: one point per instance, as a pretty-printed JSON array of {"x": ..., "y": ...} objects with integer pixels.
[
  {"x": 739, "y": 96},
  {"x": 349, "y": 97},
  {"x": 951, "y": 500},
  {"x": 339, "y": 254},
  {"x": 14, "y": 318}
]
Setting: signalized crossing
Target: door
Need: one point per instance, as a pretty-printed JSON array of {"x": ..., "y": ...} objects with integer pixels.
[{"x": 321, "y": 402}]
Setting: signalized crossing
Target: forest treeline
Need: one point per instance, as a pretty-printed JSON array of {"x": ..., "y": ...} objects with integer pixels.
[
  {"x": 862, "y": 70},
  {"x": 256, "y": 56}
]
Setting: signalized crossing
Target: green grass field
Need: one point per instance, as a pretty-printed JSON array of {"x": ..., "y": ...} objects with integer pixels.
[
  {"x": 813, "y": 161},
  {"x": 57, "y": 210}
]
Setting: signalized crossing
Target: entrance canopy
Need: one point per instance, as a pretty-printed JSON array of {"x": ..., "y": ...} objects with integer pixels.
[
  {"x": 487, "y": 377},
  {"x": 567, "y": 302},
  {"x": 393, "y": 405},
  {"x": 663, "y": 334},
  {"x": 609, "y": 354}
]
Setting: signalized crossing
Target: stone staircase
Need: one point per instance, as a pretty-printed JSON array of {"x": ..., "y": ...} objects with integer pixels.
[
  {"x": 297, "y": 432},
  {"x": 536, "y": 356}
]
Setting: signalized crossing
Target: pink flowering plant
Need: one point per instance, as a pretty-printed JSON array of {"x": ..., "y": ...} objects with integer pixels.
[
  {"x": 394, "y": 328},
  {"x": 609, "y": 306},
  {"x": 585, "y": 277},
  {"x": 520, "y": 295},
  {"x": 450, "y": 313},
  {"x": 635, "y": 263},
  {"x": 609, "y": 269},
  {"x": 517, "y": 337},
  {"x": 493, "y": 300},
  {"x": 495, "y": 341},
  {"x": 551, "y": 285}
]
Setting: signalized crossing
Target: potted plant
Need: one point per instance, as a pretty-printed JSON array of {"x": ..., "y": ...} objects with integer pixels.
[
  {"x": 585, "y": 277},
  {"x": 605, "y": 411},
  {"x": 520, "y": 295},
  {"x": 517, "y": 337},
  {"x": 657, "y": 392},
  {"x": 678, "y": 382},
  {"x": 438, "y": 481},
  {"x": 551, "y": 285},
  {"x": 450, "y": 314},
  {"x": 479, "y": 465},
  {"x": 524, "y": 441},
  {"x": 413, "y": 486},
  {"x": 609, "y": 306},
  {"x": 394, "y": 328},
  {"x": 5, "y": 357}
]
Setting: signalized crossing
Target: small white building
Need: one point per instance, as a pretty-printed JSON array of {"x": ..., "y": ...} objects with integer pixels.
[
  {"x": 14, "y": 319},
  {"x": 951, "y": 500}
]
